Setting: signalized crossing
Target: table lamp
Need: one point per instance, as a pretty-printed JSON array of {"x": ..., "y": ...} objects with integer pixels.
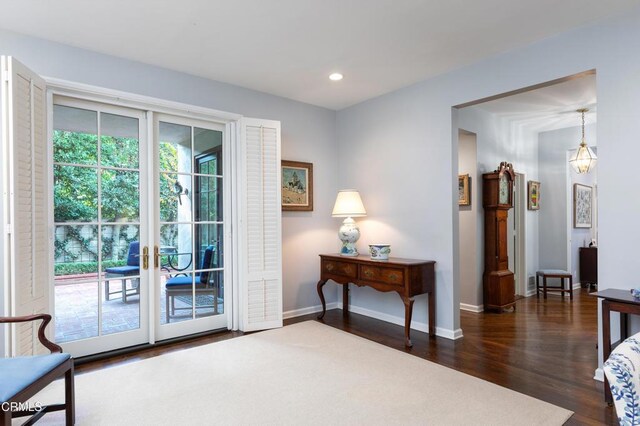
[{"x": 348, "y": 205}]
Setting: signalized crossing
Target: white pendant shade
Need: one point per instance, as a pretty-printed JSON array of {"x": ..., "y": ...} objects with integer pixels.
[
  {"x": 348, "y": 204},
  {"x": 583, "y": 160}
]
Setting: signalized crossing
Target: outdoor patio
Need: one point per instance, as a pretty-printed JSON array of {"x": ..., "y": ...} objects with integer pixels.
[{"x": 77, "y": 309}]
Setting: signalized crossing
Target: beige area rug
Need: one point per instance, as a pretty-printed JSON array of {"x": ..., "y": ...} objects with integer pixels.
[{"x": 302, "y": 374}]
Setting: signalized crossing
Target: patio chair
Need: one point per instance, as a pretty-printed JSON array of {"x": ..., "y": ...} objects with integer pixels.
[
  {"x": 25, "y": 376},
  {"x": 124, "y": 272},
  {"x": 205, "y": 284}
]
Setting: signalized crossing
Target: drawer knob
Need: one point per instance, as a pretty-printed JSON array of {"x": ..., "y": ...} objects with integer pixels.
[
  {"x": 329, "y": 267},
  {"x": 368, "y": 272},
  {"x": 393, "y": 276}
]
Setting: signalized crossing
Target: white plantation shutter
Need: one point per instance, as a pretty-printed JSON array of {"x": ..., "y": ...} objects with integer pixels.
[
  {"x": 260, "y": 226},
  {"x": 24, "y": 202}
]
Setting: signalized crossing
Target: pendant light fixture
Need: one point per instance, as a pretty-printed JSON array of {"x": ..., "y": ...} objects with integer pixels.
[{"x": 583, "y": 160}]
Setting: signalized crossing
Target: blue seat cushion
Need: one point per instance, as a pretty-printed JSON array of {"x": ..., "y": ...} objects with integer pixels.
[
  {"x": 18, "y": 373},
  {"x": 182, "y": 281},
  {"x": 124, "y": 270}
]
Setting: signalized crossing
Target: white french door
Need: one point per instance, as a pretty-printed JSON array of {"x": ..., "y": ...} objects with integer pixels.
[
  {"x": 140, "y": 238},
  {"x": 99, "y": 192},
  {"x": 191, "y": 207}
]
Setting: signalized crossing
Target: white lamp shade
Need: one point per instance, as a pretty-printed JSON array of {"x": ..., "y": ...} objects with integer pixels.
[{"x": 348, "y": 204}]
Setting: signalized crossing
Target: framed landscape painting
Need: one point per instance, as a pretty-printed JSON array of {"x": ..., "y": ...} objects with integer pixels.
[
  {"x": 464, "y": 191},
  {"x": 533, "y": 192},
  {"x": 582, "y": 205},
  {"x": 297, "y": 186}
]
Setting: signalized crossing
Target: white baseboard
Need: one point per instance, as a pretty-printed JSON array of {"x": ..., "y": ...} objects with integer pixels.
[
  {"x": 309, "y": 310},
  {"x": 530, "y": 293},
  {"x": 577, "y": 286},
  {"x": 415, "y": 325},
  {"x": 472, "y": 308},
  {"x": 599, "y": 375}
]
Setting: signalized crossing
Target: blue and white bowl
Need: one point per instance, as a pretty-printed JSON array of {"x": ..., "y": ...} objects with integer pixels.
[{"x": 379, "y": 251}]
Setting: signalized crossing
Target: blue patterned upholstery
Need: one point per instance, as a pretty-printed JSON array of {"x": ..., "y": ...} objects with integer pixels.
[
  {"x": 18, "y": 373},
  {"x": 623, "y": 373}
]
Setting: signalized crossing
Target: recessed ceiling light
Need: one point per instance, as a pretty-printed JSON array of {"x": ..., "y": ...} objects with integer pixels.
[{"x": 336, "y": 76}]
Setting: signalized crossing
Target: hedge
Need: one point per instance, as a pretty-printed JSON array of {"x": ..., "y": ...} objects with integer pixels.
[{"x": 72, "y": 268}]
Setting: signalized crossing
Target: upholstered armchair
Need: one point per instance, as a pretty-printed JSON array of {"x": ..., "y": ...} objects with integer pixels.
[
  {"x": 623, "y": 373},
  {"x": 23, "y": 377}
]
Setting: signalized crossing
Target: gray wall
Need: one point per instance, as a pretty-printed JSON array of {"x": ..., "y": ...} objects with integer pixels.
[
  {"x": 557, "y": 179},
  {"x": 308, "y": 134},
  {"x": 470, "y": 259},
  {"x": 408, "y": 140}
]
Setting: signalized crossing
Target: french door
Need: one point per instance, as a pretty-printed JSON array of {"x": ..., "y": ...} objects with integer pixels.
[
  {"x": 139, "y": 226},
  {"x": 99, "y": 214},
  {"x": 190, "y": 232}
]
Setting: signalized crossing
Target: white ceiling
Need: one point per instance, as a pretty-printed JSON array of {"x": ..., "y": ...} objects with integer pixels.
[
  {"x": 548, "y": 108},
  {"x": 289, "y": 47}
]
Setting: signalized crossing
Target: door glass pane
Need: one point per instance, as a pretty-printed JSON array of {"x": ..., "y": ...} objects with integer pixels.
[
  {"x": 176, "y": 298},
  {"x": 120, "y": 196},
  {"x": 175, "y": 197},
  {"x": 206, "y": 142},
  {"x": 175, "y": 248},
  {"x": 75, "y": 135},
  {"x": 210, "y": 236},
  {"x": 119, "y": 141},
  {"x": 75, "y": 253},
  {"x": 75, "y": 194},
  {"x": 175, "y": 147},
  {"x": 76, "y": 311}
]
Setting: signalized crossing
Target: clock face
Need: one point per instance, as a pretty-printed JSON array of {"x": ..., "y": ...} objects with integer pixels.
[{"x": 503, "y": 197}]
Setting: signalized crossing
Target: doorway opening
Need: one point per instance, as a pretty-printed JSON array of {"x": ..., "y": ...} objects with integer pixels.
[{"x": 535, "y": 129}]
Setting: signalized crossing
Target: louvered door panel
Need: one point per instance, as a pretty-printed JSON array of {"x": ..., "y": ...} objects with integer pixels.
[
  {"x": 25, "y": 215},
  {"x": 261, "y": 273}
]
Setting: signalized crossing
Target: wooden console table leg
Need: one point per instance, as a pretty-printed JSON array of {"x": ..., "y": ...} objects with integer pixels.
[
  {"x": 324, "y": 304},
  {"x": 432, "y": 314},
  {"x": 606, "y": 346},
  {"x": 408, "y": 311},
  {"x": 345, "y": 299}
]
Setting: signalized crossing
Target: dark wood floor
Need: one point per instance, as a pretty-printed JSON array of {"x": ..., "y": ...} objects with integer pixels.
[{"x": 547, "y": 350}]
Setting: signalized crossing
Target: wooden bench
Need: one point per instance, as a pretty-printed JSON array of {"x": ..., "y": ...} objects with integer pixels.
[{"x": 554, "y": 273}]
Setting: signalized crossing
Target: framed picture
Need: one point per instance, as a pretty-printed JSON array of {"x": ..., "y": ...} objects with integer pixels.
[
  {"x": 464, "y": 190},
  {"x": 533, "y": 191},
  {"x": 582, "y": 205},
  {"x": 297, "y": 186}
]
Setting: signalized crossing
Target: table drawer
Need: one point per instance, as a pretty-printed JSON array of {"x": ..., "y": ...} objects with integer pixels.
[
  {"x": 385, "y": 275},
  {"x": 339, "y": 268}
]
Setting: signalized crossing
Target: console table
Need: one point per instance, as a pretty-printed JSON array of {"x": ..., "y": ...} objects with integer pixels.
[
  {"x": 615, "y": 300},
  {"x": 407, "y": 277}
]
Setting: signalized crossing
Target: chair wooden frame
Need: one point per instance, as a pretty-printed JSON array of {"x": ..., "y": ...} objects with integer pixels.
[{"x": 64, "y": 369}]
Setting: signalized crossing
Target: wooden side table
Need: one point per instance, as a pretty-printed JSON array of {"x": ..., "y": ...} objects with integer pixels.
[
  {"x": 407, "y": 277},
  {"x": 615, "y": 300}
]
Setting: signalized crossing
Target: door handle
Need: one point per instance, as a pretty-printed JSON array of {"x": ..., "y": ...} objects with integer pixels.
[
  {"x": 156, "y": 257},
  {"x": 145, "y": 258}
]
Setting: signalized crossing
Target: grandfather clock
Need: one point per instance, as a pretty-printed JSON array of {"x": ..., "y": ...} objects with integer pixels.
[{"x": 498, "y": 281}]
